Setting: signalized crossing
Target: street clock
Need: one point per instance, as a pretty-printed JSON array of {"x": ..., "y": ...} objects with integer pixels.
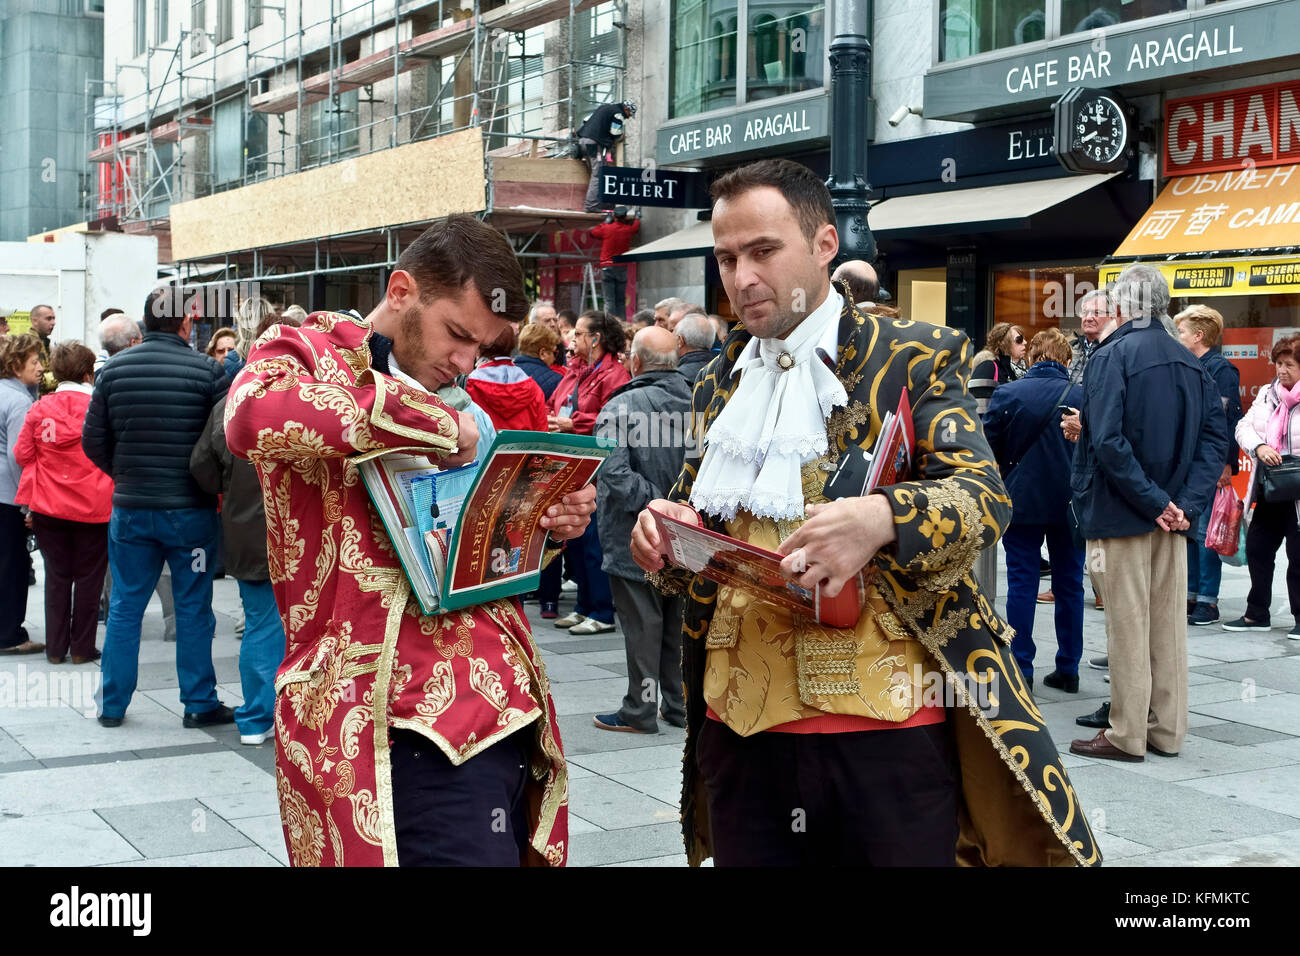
[{"x": 1092, "y": 131}]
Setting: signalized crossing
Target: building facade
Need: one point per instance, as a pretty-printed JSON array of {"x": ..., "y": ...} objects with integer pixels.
[{"x": 48, "y": 51}]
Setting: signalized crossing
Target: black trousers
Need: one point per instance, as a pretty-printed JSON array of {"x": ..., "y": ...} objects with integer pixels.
[
  {"x": 76, "y": 557},
  {"x": 471, "y": 815},
  {"x": 14, "y": 563},
  {"x": 872, "y": 798},
  {"x": 1273, "y": 523}
]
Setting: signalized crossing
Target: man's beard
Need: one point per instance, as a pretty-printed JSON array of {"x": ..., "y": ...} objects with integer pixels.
[{"x": 408, "y": 347}]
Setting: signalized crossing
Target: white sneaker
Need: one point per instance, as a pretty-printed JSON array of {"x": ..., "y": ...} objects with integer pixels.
[
  {"x": 572, "y": 619},
  {"x": 591, "y": 626},
  {"x": 253, "y": 740},
  {"x": 568, "y": 586}
]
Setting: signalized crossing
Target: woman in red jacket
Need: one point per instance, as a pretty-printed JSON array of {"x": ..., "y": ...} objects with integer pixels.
[
  {"x": 598, "y": 339},
  {"x": 71, "y": 501}
]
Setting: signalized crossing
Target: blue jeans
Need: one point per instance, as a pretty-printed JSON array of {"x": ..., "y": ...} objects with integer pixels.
[
  {"x": 1023, "y": 542},
  {"x": 594, "y": 597},
  {"x": 1204, "y": 569},
  {"x": 139, "y": 541},
  {"x": 260, "y": 654}
]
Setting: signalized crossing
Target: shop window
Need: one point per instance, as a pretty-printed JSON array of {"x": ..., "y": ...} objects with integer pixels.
[
  {"x": 1041, "y": 297},
  {"x": 967, "y": 27},
  {"x": 1081, "y": 16}
]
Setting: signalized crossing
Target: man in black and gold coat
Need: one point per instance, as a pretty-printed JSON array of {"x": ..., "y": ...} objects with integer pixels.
[{"x": 911, "y": 738}]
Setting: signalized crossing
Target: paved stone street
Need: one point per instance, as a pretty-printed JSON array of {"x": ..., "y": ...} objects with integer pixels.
[{"x": 153, "y": 793}]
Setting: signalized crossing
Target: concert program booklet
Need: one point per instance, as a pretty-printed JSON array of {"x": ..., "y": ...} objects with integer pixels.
[
  {"x": 472, "y": 534},
  {"x": 726, "y": 560}
]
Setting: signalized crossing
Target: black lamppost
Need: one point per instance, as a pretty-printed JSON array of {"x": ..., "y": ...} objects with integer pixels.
[{"x": 850, "y": 88}]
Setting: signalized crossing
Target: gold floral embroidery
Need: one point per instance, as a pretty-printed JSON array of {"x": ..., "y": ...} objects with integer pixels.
[
  {"x": 439, "y": 692},
  {"x": 487, "y": 683},
  {"x": 304, "y": 833}
]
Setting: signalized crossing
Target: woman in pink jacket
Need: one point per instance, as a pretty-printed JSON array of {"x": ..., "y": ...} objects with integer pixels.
[
  {"x": 1268, "y": 431},
  {"x": 71, "y": 501}
]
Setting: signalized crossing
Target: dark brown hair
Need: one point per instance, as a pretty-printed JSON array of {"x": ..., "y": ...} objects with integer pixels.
[
  {"x": 460, "y": 250},
  {"x": 72, "y": 362},
  {"x": 807, "y": 195},
  {"x": 15, "y": 351},
  {"x": 1289, "y": 346}
]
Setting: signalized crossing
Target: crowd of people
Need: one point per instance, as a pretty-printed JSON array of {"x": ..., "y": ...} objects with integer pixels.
[
  {"x": 147, "y": 467},
  {"x": 117, "y": 466}
]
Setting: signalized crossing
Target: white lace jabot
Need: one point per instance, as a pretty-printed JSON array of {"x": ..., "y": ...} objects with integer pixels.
[{"x": 774, "y": 422}]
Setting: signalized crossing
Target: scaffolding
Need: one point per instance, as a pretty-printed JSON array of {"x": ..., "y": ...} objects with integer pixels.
[{"x": 318, "y": 81}]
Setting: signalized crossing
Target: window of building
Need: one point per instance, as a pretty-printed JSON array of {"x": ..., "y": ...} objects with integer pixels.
[
  {"x": 225, "y": 20},
  {"x": 198, "y": 15},
  {"x": 967, "y": 27},
  {"x": 1083, "y": 16},
  {"x": 160, "y": 27},
  {"x": 254, "y": 13},
  {"x": 226, "y": 144},
  {"x": 784, "y": 51},
  {"x": 703, "y": 71},
  {"x": 597, "y": 60},
  {"x": 1041, "y": 297},
  {"x": 331, "y": 129},
  {"x": 517, "y": 86},
  {"x": 140, "y": 38},
  {"x": 95, "y": 8}
]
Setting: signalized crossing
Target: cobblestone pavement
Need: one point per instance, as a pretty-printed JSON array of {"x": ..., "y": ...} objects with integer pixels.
[{"x": 153, "y": 793}]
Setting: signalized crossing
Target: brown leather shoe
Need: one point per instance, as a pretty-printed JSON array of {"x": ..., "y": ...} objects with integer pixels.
[
  {"x": 94, "y": 656},
  {"x": 1047, "y": 597},
  {"x": 1099, "y": 605},
  {"x": 26, "y": 647},
  {"x": 1152, "y": 748},
  {"x": 1100, "y": 747}
]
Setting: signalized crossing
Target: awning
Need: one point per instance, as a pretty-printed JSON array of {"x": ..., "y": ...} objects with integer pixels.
[
  {"x": 1243, "y": 209},
  {"x": 980, "y": 209},
  {"x": 695, "y": 240},
  {"x": 1209, "y": 277}
]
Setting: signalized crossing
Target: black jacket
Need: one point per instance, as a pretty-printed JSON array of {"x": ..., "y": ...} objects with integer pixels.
[
  {"x": 243, "y": 517},
  {"x": 1153, "y": 432},
  {"x": 597, "y": 125},
  {"x": 689, "y": 365},
  {"x": 150, "y": 405}
]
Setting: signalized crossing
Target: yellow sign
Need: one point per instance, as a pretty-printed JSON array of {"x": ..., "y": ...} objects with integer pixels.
[
  {"x": 20, "y": 322},
  {"x": 1222, "y": 276},
  {"x": 1247, "y": 208}
]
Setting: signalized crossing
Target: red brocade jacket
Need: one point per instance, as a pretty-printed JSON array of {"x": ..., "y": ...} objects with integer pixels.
[{"x": 361, "y": 657}]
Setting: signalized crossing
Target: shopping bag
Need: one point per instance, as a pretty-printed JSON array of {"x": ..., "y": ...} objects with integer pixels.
[{"x": 1224, "y": 529}]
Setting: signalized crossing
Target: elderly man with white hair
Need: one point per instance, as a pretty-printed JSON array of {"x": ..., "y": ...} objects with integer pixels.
[
  {"x": 117, "y": 332},
  {"x": 695, "y": 338},
  {"x": 1152, "y": 446},
  {"x": 664, "y": 308}
]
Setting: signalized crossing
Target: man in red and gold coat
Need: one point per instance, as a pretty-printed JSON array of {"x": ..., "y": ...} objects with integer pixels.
[{"x": 400, "y": 737}]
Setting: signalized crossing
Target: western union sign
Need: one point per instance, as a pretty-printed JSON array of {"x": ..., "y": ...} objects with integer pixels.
[{"x": 1222, "y": 277}]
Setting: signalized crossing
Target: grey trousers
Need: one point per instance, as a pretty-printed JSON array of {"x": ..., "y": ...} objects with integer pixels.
[
  {"x": 652, "y": 632},
  {"x": 594, "y": 156}
]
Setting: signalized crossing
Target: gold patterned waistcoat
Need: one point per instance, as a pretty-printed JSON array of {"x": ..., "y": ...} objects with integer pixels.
[{"x": 768, "y": 666}]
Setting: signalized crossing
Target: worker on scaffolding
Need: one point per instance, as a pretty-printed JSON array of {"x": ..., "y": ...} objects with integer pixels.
[{"x": 596, "y": 136}]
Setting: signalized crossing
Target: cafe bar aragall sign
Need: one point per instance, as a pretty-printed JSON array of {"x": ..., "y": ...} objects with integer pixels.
[
  {"x": 798, "y": 122},
  {"x": 1258, "y": 126},
  {"x": 1116, "y": 57}
]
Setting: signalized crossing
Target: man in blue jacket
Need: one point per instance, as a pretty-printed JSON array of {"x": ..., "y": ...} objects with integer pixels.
[
  {"x": 1152, "y": 448},
  {"x": 150, "y": 405}
]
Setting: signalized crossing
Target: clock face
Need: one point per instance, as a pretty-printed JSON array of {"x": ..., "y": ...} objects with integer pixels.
[{"x": 1100, "y": 133}]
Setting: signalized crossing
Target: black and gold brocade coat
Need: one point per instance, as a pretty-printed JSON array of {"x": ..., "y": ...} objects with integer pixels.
[{"x": 1019, "y": 807}]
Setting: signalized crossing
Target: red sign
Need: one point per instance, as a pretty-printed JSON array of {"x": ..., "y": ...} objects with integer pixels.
[{"x": 1258, "y": 126}]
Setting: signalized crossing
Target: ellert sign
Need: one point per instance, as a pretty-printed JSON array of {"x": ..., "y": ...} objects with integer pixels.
[{"x": 630, "y": 186}]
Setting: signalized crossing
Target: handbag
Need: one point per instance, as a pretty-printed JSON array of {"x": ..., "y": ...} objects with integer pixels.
[{"x": 1280, "y": 482}]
